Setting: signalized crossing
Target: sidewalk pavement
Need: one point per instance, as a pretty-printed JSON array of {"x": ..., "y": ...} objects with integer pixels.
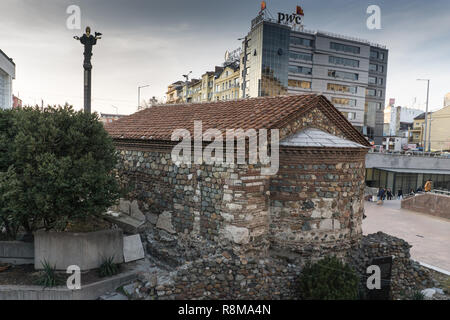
[{"x": 429, "y": 236}]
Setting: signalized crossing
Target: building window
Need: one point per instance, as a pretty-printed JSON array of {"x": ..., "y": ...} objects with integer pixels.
[
  {"x": 344, "y": 48},
  {"x": 344, "y": 101},
  {"x": 343, "y": 75},
  {"x": 344, "y": 62},
  {"x": 374, "y": 105},
  {"x": 301, "y": 42},
  {"x": 340, "y": 88},
  {"x": 300, "y": 84},
  {"x": 350, "y": 115},
  {"x": 302, "y": 70},
  {"x": 376, "y": 80},
  {"x": 377, "y": 55},
  {"x": 371, "y": 92},
  {"x": 376, "y": 68},
  {"x": 300, "y": 56}
]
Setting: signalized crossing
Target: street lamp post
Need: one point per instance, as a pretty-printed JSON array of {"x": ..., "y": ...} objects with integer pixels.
[
  {"x": 88, "y": 40},
  {"x": 186, "y": 76},
  {"x": 139, "y": 95},
  {"x": 426, "y": 117}
]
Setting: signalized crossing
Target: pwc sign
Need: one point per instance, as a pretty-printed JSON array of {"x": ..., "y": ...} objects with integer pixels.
[{"x": 292, "y": 19}]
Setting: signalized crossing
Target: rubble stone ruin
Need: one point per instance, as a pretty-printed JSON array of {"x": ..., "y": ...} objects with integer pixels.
[{"x": 229, "y": 230}]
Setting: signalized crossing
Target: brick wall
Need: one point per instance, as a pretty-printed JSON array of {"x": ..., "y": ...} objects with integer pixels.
[{"x": 316, "y": 201}]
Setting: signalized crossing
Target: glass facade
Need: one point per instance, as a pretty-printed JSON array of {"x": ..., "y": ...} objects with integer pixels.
[
  {"x": 376, "y": 178},
  {"x": 275, "y": 60},
  {"x": 344, "y": 62},
  {"x": 344, "y": 48},
  {"x": 301, "y": 56},
  {"x": 341, "y": 88},
  {"x": 300, "y": 84},
  {"x": 370, "y": 112},
  {"x": 300, "y": 70},
  {"x": 344, "y": 101},
  {"x": 301, "y": 42},
  {"x": 376, "y": 68},
  {"x": 343, "y": 75}
]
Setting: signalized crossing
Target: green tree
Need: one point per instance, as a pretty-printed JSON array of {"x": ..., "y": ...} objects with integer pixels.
[
  {"x": 56, "y": 167},
  {"x": 328, "y": 279}
]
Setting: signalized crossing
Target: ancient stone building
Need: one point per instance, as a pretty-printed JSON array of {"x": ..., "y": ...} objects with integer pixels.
[{"x": 311, "y": 207}]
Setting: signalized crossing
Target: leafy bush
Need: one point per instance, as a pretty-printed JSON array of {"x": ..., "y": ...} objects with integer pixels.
[
  {"x": 108, "y": 268},
  {"x": 328, "y": 279},
  {"x": 56, "y": 167},
  {"x": 417, "y": 295},
  {"x": 49, "y": 278}
]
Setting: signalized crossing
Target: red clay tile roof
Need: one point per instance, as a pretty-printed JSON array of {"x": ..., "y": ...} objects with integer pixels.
[{"x": 159, "y": 122}]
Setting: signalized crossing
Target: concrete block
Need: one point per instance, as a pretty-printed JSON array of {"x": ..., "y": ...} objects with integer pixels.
[
  {"x": 132, "y": 248},
  {"x": 86, "y": 250},
  {"x": 16, "y": 252}
]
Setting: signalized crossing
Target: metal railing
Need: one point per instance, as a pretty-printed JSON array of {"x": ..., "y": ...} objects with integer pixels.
[
  {"x": 343, "y": 37},
  {"x": 444, "y": 192},
  {"x": 413, "y": 153},
  {"x": 326, "y": 33}
]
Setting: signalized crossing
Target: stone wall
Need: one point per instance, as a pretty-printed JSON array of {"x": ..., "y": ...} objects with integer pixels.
[
  {"x": 225, "y": 277},
  {"x": 429, "y": 203},
  {"x": 407, "y": 275},
  {"x": 220, "y": 202},
  {"x": 216, "y": 273},
  {"x": 316, "y": 202}
]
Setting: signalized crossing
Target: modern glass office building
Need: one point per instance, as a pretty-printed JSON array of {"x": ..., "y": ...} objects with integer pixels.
[
  {"x": 274, "y": 76},
  {"x": 407, "y": 179},
  {"x": 279, "y": 58}
]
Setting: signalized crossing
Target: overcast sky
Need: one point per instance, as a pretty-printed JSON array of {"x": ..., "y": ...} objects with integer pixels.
[{"x": 156, "y": 41}]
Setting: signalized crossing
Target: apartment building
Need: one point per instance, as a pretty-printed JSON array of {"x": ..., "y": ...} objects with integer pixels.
[
  {"x": 174, "y": 92},
  {"x": 226, "y": 84},
  {"x": 7, "y": 75}
]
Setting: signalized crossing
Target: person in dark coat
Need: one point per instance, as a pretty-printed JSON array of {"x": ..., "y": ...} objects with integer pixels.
[{"x": 389, "y": 194}]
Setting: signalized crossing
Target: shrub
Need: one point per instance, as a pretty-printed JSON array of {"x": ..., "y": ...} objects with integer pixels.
[
  {"x": 108, "y": 268},
  {"x": 328, "y": 279},
  {"x": 56, "y": 167},
  {"x": 48, "y": 277},
  {"x": 417, "y": 295}
]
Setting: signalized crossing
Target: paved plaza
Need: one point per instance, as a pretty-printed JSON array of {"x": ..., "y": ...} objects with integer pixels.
[{"x": 429, "y": 236}]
